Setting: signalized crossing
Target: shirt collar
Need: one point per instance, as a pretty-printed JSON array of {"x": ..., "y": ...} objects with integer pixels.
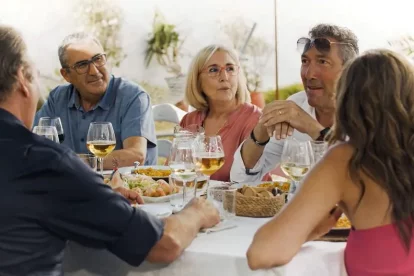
[{"x": 105, "y": 103}]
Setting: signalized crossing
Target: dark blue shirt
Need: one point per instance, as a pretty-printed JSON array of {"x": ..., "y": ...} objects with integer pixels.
[
  {"x": 49, "y": 196},
  {"x": 124, "y": 104}
]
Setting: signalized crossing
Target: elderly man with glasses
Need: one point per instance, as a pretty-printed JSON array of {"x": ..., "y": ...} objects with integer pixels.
[
  {"x": 93, "y": 95},
  {"x": 306, "y": 115}
]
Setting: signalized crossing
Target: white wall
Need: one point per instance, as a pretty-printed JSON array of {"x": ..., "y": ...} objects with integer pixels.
[{"x": 44, "y": 23}]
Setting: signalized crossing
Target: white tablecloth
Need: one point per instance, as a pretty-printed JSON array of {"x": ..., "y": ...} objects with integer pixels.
[{"x": 219, "y": 253}]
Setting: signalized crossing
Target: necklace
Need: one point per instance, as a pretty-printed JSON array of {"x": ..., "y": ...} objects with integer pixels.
[{"x": 222, "y": 126}]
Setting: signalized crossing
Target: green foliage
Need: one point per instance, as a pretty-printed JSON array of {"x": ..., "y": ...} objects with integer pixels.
[
  {"x": 164, "y": 45},
  {"x": 284, "y": 92},
  {"x": 103, "y": 19}
]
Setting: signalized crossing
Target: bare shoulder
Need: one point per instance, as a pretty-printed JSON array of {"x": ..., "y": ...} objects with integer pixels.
[{"x": 339, "y": 155}]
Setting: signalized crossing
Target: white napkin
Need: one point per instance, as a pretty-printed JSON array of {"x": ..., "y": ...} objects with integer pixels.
[{"x": 224, "y": 225}]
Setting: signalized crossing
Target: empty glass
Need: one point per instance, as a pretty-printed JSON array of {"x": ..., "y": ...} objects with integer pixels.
[
  {"x": 190, "y": 130},
  {"x": 56, "y": 122},
  {"x": 319, "y": 149},
  {"x": 48, "y": 132},
  {"x": 224, "y": 199}
]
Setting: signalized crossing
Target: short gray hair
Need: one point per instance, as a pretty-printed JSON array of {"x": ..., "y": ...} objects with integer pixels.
[
  {"x": 71, "y": 39},
  {"x": 341, "y": 34},
  {"x": 13, "y": 57}
]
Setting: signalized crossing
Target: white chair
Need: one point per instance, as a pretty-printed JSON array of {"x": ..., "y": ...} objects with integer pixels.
[
  {"x": 167, "y": 113},
  {"x": 164, "y": 147}
]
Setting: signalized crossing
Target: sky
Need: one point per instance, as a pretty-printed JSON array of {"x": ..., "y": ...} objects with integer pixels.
[{"x": 44, "y": 23}]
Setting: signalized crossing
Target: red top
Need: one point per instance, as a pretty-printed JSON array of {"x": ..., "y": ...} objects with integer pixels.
[
  {"x": 237, "y": 128},
  {"x": 378, "y": 251}
]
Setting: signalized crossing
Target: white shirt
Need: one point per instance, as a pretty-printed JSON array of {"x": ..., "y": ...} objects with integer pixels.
[{"x": 272, "y": 151}]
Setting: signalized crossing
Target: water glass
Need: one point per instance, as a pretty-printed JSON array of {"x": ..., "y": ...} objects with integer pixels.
[
  {"x": 89, "y": 159},
  {"x": 319, "y": 149},
  {"x": 48, "y": 132},
  {"x": 224, "y": 199}
]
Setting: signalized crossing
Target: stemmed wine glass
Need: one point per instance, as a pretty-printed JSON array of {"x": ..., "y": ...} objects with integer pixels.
[
  {"x": 296, "y": 160},
  {"x": 48, "y": 132},
  {"x": 101, "y": 140},
  {"x": 181, "y": 162},
  {"x": 56, "y": 122},
  {"x": 208, "y": 153}
]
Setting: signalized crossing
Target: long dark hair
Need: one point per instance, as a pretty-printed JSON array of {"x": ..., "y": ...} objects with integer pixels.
[{"x": 375, "y": 115}]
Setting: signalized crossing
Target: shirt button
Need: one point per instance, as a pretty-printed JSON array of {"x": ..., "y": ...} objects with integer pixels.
[
  {"x": 82, "y": 140},
  {"x": 83, "y": 117}
]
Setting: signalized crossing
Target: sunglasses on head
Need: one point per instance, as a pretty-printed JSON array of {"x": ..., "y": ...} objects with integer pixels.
[{"x": 321, "y": 44}]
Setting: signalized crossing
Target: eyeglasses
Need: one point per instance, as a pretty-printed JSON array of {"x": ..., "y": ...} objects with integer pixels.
[
  {"x": 321, "y": 44},
  {"x": 82, "y": 67},
  {"x": 214, "y": 70}
]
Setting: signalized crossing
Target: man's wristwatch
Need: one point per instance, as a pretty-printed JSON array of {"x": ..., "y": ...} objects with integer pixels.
[
  {"x": 257, "y": 142},
  {"x": 323, "y": 133}
]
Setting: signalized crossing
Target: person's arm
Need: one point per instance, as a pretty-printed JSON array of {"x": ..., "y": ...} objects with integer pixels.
[
  {"x": 181, "y": 229},
  {"x": 85, "y": 210},
  {"x": 269, "y": 158},
  {"x": 280, "y": 239},
  {"x": 137, "y": 133}
]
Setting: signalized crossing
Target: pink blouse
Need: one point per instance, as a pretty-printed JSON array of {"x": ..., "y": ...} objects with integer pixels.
[
  {"x": 378, "y": 251},
  {"x": 237, "y": 128}
]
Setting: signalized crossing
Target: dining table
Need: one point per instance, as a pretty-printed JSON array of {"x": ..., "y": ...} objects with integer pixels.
[{"x": 211, "y": 253}]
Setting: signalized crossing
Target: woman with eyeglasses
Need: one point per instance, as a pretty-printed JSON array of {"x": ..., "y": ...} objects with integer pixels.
[
  {"x": 216, "y": 88},
  {"x": 368, "y": 173}
]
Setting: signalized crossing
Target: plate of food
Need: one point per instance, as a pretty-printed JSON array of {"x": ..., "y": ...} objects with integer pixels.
[
  {"x": 150, "y": 189},
  {"x": 155, "y": 172},
  {"x": 342, "y": 227}
]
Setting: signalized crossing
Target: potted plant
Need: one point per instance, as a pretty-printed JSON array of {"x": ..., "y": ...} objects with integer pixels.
[{"x": 164, "y": 46}]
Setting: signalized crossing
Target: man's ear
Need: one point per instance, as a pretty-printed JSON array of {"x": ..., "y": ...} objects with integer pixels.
[
  {"x": 65, "y": 74},
  {"x": 22, "y": 82}
]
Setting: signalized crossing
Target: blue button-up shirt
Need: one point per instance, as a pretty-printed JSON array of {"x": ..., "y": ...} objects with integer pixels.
[{"x": 126, "y": 105}]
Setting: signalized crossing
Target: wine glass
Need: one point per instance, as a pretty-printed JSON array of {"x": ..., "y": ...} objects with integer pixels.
[
  {"x": 319, "y": 149},
  {"x": 181, "y": 162},
  {"x": 296, "y": 160},
  {"x": 48, "y": 132},
  {"x": 208, "y": 153},
  {"x": 101, "y": 140},
  {"x": 56, "y": 122}
]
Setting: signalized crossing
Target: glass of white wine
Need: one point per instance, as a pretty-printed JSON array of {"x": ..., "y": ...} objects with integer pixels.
[
  {"x": 181, "y": 162},
  {"x": 101, "y": 140},
  {"x": 208, "y": 153},
  {"x": 296, "y": 161}
]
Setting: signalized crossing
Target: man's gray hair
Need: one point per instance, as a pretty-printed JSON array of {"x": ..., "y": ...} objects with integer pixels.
[
  {"x": 71, "y": 39},
  {"x": 341, "y": 34}
]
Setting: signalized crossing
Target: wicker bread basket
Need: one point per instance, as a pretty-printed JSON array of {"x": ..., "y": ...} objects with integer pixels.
[{"x": 259, "y": 207}]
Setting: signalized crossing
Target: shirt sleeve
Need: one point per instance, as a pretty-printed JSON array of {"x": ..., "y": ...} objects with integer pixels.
[
  {"x": 270, "y": 158},
  {"x": 138, "y": 119},
  {"x": 87, "y": 211}
]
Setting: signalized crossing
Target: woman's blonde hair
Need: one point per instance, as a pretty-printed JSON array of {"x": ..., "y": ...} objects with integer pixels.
[{"x": 193, "y": 92}]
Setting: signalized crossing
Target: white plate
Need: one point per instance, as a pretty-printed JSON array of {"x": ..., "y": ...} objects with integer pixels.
[
  {"x": 158, "y": 211},
  {"x": 122, "y": 170}
]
